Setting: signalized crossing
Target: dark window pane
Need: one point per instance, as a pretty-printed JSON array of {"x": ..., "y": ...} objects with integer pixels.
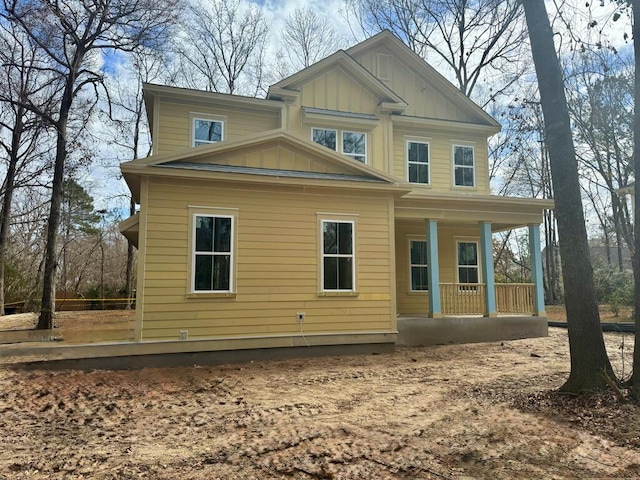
[
  {"x": 203, "y": 273},
  {"x": 207, "y": 131},
  {"x": 423, "y": 153},
  {"x": 419, "y": 278},
  {"x": 325, "y": 137},
  {"x": 330, "y": 273},
  {"x": 423, "y": 173},
  {"x": 353, "y": 143},
  {"x": 467, "y": 253},
  {"x": 222, "y": 240},
  {"x": 412, "y": 155},
  {"x": 330, "y": 237},
  {"x": 467, "y": 275},
  {"x": 204, "y": 234},
  {"x": 345, "y": 273},
  {"x": 467, "y": 177},
  {"x": 221, "y": 272},
  {"x": 345, "y": 238},
  {"x": 413, "y": 173},
  {"x": 360, "y": 158},
  {"x": 463, "y": 156},
  {"x": 418, "y": 252}
]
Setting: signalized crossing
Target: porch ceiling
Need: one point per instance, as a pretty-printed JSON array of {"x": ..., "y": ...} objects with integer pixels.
[{"x": 503, "y": 213}]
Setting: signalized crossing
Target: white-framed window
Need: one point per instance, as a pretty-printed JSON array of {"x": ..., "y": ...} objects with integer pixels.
[
  {"x": 463, "y": 166},
  {"x": 468, "y": 266},
  {"x": 419, "y": 274},
  {"x": 212, "y": 268},
  {"x": 338, "y": 255},
  {"x": 354, "y": 145},
  {"x": 418, "y": 162},
  {"x": 325, "y": 137},
  {"x": 207, "y": 131}
]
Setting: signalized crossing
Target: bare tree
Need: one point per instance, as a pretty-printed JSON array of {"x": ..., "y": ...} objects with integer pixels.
[
  {"x": 308, "y": 37},
  {"x": 478, "y": 41},
  {"x": 74, "y": 35},
  {"x": 589, "y": 361},
  {"x": 24, "y": 144},
  {"x": 223, "y": 48}
]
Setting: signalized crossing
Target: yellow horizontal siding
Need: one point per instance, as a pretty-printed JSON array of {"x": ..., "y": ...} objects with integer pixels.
[
  {"x": 174, "y": 123},
  {"x": 276, "y": 270}
]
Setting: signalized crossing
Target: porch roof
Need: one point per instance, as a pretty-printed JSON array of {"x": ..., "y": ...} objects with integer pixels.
[{"x": 503, "y": 213}]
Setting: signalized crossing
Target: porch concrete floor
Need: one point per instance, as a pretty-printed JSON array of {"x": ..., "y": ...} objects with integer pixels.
[{"x": 421, "y": 330}]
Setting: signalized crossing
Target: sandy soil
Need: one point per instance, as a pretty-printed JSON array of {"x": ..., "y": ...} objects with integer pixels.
[
  {"x": 458, "y": 411},
  {"x": 71, "y": 320}
]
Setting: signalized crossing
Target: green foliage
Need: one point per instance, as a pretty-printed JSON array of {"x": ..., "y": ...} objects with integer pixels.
[
  {"x": 614, "y": 288},
  {"x": 77, "y": 209}
]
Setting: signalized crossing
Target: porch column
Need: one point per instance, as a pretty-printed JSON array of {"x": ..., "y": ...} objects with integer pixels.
[
  {"x": 433, "y": 269},
  {"x": 486, "y": 257},
  {"x": 536, "y": 269}
]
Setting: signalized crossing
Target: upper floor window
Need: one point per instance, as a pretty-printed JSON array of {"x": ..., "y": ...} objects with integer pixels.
[
  {"x": 212, "y": 256},
  {"x": 338, "y": 265},
  {"x": 463, "y": 166},
  {"x": 325, "y": 137},
  {"x": 418, "y": 162},
  {"x": 355, "y": 145},
  {"x": 206, "y": 131},
  {"x": 468, "y": 268},
  {"x": 419, "y": 267}
]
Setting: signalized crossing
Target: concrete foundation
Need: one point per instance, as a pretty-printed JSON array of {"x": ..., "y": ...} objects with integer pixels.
[{"x": 421, "y": 330}]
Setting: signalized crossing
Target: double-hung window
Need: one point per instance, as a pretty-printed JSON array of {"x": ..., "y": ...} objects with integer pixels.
[
  {"x": 354, "y": 145},
  {"x": 463, "y": 166},
  {"x": 338, "y": 262},
  {"x": 419, "y": 266},
  {"x": 207, "y": 131},
  {"x": 468, "y": 269},
  {"x": 418, "y": 162},
  {"x": 213, "y": 251}
]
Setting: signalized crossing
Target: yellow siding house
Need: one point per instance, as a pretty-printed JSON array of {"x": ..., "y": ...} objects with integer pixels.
[{"x": 351, "y": 204}]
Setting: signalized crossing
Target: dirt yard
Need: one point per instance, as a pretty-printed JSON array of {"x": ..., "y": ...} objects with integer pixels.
[{"x": 458, "y": 411}]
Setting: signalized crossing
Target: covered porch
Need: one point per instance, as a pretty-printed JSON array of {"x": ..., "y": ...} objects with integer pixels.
[{"x": 445, "y": 268}]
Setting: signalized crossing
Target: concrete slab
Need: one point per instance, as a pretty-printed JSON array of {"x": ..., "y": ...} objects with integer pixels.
[{"x": 421, "y": 330}]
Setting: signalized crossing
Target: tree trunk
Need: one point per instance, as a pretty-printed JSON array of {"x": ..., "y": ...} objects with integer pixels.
[
  {"x": 5, "y": 219},
  {"x": 130, "y": 251},
  {"x": 589, "y": 361},
  {"x": 635, "y": 376}
]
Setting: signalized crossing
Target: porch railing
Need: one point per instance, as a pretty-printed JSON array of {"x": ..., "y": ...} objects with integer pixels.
[
  {"x": 462, "y": 298},
  {"x": 468, "y": 298},
  {"x": 515, "y": 297}
]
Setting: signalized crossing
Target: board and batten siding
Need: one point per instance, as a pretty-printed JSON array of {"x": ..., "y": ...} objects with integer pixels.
[
  {"x": 418, "y": 302},
  {"x": 277, "y": 262},
  {"x": 174, "y": 126},
  {"x": 441, "y": 158}
]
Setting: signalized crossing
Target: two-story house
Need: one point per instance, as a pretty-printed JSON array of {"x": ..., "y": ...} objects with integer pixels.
[{"x": 354, "y": 197}]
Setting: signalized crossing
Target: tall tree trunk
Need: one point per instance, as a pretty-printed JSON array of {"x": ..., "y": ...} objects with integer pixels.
[
  {"x": 5, "y": 218},
  {"x": 130, "y": 251},
  {"x": 589, "y": 360},
  {"x": 635, "y": 376}
]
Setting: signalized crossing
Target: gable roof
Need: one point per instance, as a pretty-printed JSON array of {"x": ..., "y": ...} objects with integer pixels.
[
  {"x": 201, "y": 162},
  {"x": 403, "y": 52},
  {"x": 292, "y": 83}
]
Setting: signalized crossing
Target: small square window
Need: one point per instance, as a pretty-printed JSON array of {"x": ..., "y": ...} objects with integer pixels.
[
  {"x": 355, "y": 145},
  {"x": 325, "y": 137},
  {"x": 206, "y": 132}
]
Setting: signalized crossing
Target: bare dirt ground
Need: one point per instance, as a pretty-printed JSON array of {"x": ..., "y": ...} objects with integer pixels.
[{"x": 456, "y": 411}]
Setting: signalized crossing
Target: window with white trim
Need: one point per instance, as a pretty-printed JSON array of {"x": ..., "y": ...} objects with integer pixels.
[
  {"x": 338, "y": 262},
  {"x": 207, "y": 131},
  {"x": 468, "y": 268},
  {"x": 325, "y": 137},
  {"x": 418, "y": 162},
  {"x": 354, "y": 145},
  {"x": 418, "y": 265},
  {"x": 463, "y": 166},
  {"x": 212, "y": 253}
]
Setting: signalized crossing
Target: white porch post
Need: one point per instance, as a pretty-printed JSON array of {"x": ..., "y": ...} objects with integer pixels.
[
  {"x": 536, "y": 269},
  {"x": 486, "y": 257},
  {"x": 433, "y": 269}
]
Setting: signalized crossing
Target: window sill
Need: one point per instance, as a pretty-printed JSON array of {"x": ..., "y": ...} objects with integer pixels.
[
  {"x": 338, "y": 294},
  {"x": 418, "y": 293},
  {"x": 464, "y": 187},
  {"x": 206, "y": 295}
]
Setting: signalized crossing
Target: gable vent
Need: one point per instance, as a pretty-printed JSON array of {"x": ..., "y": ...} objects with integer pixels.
[{"x": 383, "y": 67}]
